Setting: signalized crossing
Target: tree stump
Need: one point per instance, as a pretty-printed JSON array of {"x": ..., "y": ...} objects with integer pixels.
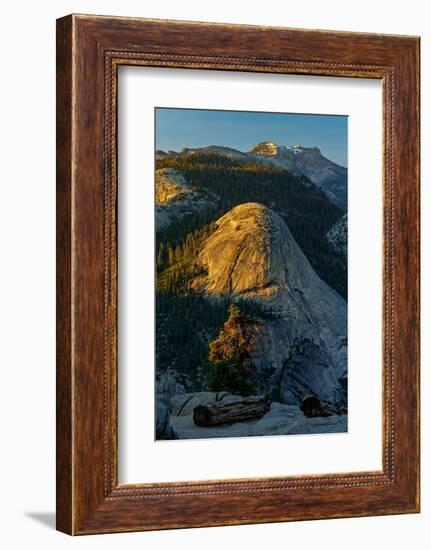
[
  {"x": 312, "y": 406},
  {"x": 214, "y": 414}
]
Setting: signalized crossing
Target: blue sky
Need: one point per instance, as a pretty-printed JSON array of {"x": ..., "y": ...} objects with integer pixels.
[{"x": 178, "y": 128}]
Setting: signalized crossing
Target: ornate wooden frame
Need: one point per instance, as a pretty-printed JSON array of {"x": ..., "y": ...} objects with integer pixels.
[{"x": 89, "y": 51}]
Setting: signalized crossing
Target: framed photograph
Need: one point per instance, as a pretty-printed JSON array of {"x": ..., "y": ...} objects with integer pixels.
[{"x": 237, "y": 274}]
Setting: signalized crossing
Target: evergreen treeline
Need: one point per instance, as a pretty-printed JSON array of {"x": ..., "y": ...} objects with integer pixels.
[
  {"x": 185, "y": 325},
  {"x": 174, "y": 262}
]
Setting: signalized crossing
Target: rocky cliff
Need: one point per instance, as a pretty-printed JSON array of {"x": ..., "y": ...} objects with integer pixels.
[
  {"x": 300, "y": 342},
  {"x": 175, "y": 199}
]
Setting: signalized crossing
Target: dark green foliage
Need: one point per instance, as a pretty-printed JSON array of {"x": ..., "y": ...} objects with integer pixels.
[
  {"x": 185, "y": 325},
  {"x": 225, "y": 377},
  {"x": 175, "y": 262}
]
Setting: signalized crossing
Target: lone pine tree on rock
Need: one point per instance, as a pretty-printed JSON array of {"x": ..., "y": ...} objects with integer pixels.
[{"x": 230, "y": 355}]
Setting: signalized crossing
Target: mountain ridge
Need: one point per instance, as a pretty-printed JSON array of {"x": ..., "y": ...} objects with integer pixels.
[{"x": 307, "y": 161}]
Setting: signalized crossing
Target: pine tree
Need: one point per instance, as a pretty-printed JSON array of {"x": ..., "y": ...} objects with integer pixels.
[
  {"x": 230, "y": 354},
  {"x": 234, "y": 341}
]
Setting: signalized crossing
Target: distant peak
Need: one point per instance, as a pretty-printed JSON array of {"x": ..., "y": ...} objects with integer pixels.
[{"x": 266, "y": 148}]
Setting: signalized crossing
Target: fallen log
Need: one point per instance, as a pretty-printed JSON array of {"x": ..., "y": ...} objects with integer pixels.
[
  {"x": 312, "y": 406},
  {"x": 220, "y": 412}
]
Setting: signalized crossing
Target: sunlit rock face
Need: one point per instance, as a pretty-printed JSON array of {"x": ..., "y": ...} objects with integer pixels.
[
  {"x": 237, "y": 255},
  {"x": 300, "y": 342},
  {"x": 171, "y": 186},
  {"x": 266, "y": 148},
  {"x": 175, "y": 199}
]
